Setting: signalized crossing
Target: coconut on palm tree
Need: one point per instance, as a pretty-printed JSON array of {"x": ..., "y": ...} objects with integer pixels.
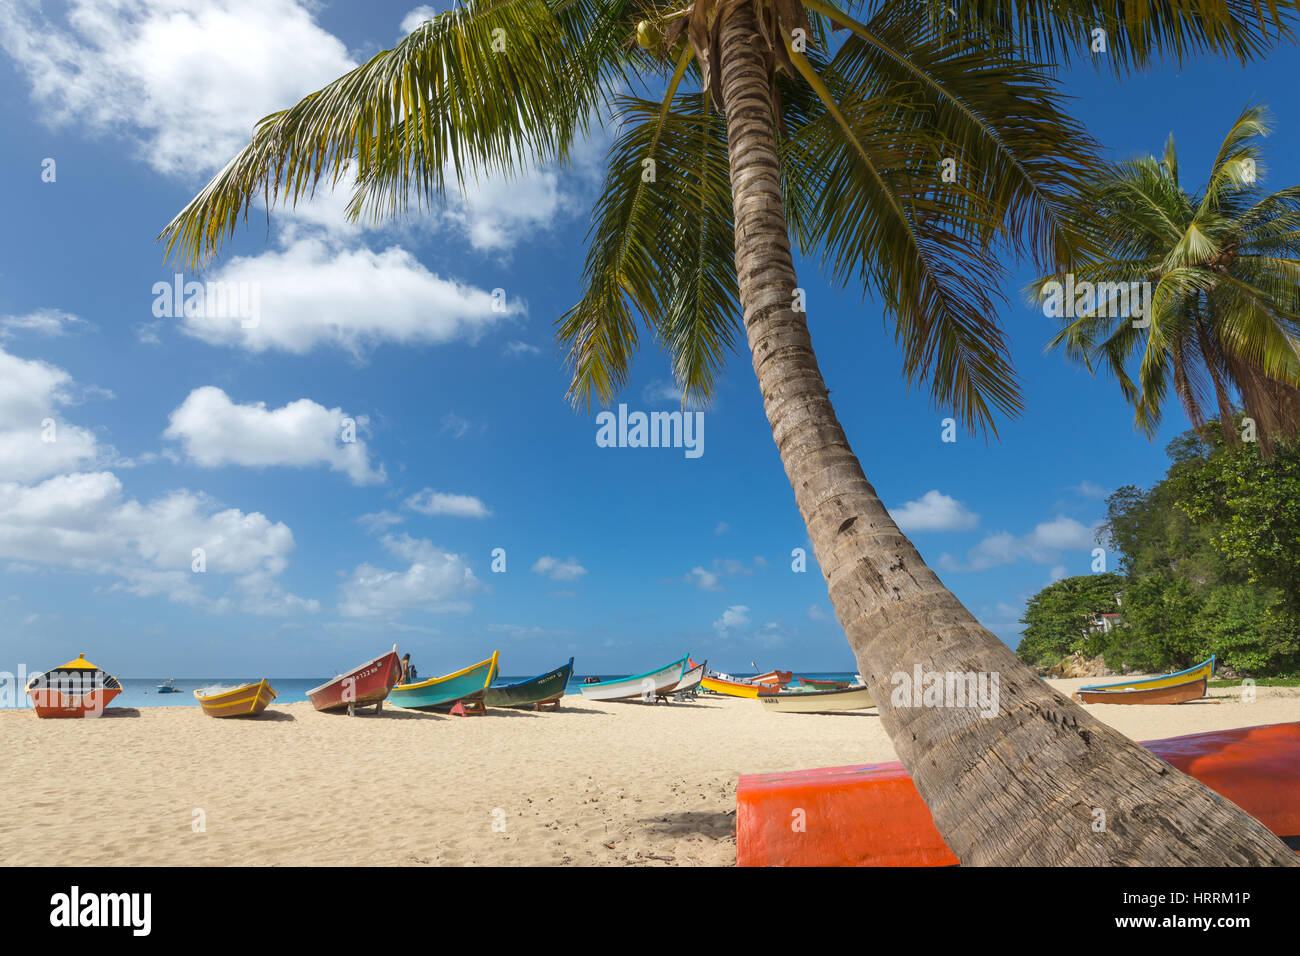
[
  {"x": 1218, "y": 274},
  {"x": 900, "y": 146}
]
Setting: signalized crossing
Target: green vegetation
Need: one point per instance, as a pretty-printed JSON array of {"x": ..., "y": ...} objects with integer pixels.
[
  {"x": 1220, "y": 318},
  {"x": 1209, "y": 564}
]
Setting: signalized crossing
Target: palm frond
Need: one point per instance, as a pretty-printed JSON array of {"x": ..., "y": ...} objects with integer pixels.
[
  {"x": 491, "y": 86},
  {"x": 1136, "y": 34},
  {"x": 660, "y": 251}
]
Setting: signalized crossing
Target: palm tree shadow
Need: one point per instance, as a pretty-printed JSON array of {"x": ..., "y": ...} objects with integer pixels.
[
  {"x": 719, "y": 826},
  {"x": 120, "y": 712}
]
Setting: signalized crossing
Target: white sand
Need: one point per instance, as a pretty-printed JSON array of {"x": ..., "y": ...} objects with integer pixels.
[{"x": 594, "y": 783}]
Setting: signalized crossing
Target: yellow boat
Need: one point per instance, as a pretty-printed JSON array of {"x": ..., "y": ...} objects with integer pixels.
[
  {"x": 732, "y": 688},
  {"x": 1205, "y": 669},
  {"x": 247, "y": 700}
]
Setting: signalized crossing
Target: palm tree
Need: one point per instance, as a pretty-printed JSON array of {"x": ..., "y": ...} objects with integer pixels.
[
  {"x": 1223, "y": 268},
  {"x": 839, "y": 141}
]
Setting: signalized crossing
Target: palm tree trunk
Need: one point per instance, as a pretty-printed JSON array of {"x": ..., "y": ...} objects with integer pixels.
[{"x": 1020, "y": 787}]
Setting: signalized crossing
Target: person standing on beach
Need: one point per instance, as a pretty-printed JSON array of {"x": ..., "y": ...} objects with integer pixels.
[{"x": 405, "y": 676}]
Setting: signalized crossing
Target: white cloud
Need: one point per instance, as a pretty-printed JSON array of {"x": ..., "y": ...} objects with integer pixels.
[
  {"x": 313, "y": 294},
  {"x": 722, "y": 528},
  {"x": 661, "y": 390},
  {"x": 817, "y": 613},
  {"x": 709, "y": 579},
  {"x": 434, "y": 580},
  {"x": 453, "y": 423},
  {"x": 516, "y": 348},
  {"x": 185, "y": 79},
  {"x": 416, "y": 17},
  {"x": 558, "y": 570},
  {"x": 215, "y": 432},
  {"x": 1089, "y": 489},
  {"x": 378, "y": 521},
  {"x": 1043, "y": 545},
  {"x": 664, "y": 392},
  {"x": 430, "y": 502},
  {"x": 1002, "y": 619},
  {"x": 33, "y": 442},
  {"x": 705, "y": 580},
  {"x": 51, "y": 323},
  {"x": 733, "y": 618},
  {"x": 934, "y": 511},
  {"x": 82, "y": 522}
]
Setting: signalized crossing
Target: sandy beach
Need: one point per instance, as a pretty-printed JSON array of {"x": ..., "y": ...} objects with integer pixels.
[{"x": 591, "y": 784}]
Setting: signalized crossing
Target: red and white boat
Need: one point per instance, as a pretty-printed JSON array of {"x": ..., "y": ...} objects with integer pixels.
[
  {"x": 359, "y": 687},
  {"x": 76, "y": 689}
]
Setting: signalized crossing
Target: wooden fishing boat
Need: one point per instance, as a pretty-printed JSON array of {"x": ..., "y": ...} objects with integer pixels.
[
  {"x": 732, "y": 687},
  {"x": 368, "y": 684},
  {"x": 468, "y": 685},
  {"x": 1168, "y": 694},
  {"x": 76, "y": 689},
  {"x": 652, "y": 684},
  {"x": 776, "y": 678},
  {"x": 246, "y": 700},
  {"x": 544, "y": 690},
  {"x": 812, "y": 684},
  {"x": 1204, "y": 669},
  {"x": 168, "y": 687},
  {"x": 692, "y": 679},
  {"x": 817, "y": 701}
]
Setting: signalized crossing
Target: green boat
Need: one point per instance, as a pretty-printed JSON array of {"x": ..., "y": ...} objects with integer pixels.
[
  {"x": 539, "y": 691},
  {"x": 811, "y": 684},
  {"x": 466, "y": 685}
]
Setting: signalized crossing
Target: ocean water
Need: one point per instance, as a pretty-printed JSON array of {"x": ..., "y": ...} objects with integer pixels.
[{"x": 143, "y": 691}]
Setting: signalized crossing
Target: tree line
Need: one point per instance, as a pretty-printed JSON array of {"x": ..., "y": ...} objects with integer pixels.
[{"x": 1209, "y": 563}]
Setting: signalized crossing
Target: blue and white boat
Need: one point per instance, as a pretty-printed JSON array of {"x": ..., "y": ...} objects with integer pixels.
[{"x": 647, "y": 686}]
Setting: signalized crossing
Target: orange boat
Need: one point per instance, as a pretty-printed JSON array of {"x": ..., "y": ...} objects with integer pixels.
[
  {"x": 872, "y": 815},
  {"x": 76, "y": 689}
]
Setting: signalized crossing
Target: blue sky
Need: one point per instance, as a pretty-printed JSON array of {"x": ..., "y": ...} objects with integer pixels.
[{"x": 174, "y": 433}]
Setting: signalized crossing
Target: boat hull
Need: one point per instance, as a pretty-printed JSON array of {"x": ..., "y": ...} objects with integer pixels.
[
  {"x": 651, "y": 683},
  {"x": 691, "y": 679},
  {"x": 53, "y": 703},
  {"x": 542, "y": 689},
  {"x": 818, "y": 701},
  {"x": 368, "y": 684},
  {"x": 469, "y": 684},
  {"x": 1171, "y": 694},
  {"x": 248, "y": 700},
  {"x": 77, "y": 689},
  {"x": 823, "y": 684},
  {"x": 1204, "y": 669},
  {"x": 732, "y": 688}
]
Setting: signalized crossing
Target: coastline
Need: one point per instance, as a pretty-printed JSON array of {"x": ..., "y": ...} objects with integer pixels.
[{"x": 591, "y": 784}]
